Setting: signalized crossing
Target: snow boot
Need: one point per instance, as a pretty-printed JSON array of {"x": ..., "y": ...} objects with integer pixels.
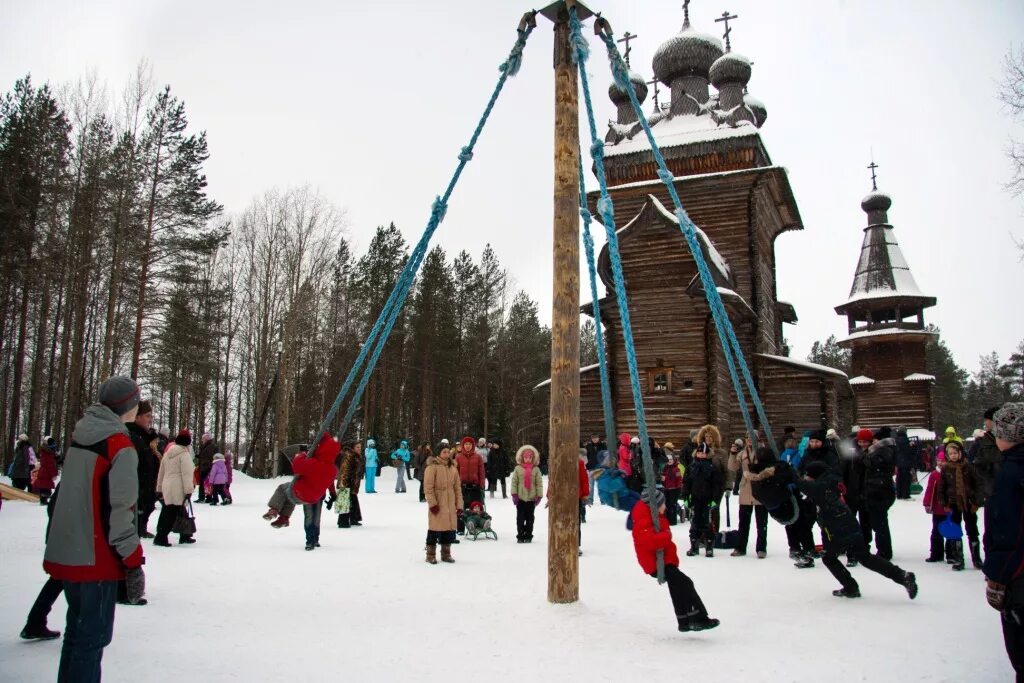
[
  {"x": 145, "y": 534},
  {"x": 162, "y": 541},
  {"x": 910, "y": 583},
  {"x": 761, "y": 554},
  {"x": 694, "y": 550},
  {"x": 958, "y": 556},
  {"x": 851, "y": 561},
  {"x": 432, "y": 554},
  {"x": 804, "y": 561},
  {"x": 847, "y": 593},
  {"x": 310, "y": 546},
  {"x": 950, "y": 559},
  {"x": 737, "y": 553},
  {"x": 446, "y": 553},
  {"x": 709, "y": 549},
  {"x": 38, "y": 633},
  {"x": 697, "y": 622},
  {"x": 270, "y": 514},
  {"x": 281, "y": 521},
  {"x": 976, "y": 554},
  {"x": 185, "y": 540},
  {"x": 794, "y": 554}
]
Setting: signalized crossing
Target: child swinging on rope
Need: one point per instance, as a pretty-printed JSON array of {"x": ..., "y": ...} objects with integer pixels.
[{"x": 313, "y": 477}]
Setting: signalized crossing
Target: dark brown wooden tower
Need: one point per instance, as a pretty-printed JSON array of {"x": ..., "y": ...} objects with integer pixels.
[{"x": 887, "y": 335}]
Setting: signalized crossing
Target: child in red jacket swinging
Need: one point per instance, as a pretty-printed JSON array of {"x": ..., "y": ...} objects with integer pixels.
[
  {"x": 690, "y": 611},
  {"x": 313, "y": 477}
]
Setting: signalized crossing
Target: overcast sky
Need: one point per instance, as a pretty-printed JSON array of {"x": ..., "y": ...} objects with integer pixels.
[{"x": 370, "y": 103}]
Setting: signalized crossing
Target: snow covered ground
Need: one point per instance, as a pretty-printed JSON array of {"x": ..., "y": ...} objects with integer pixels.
[{"x": 247, "y": 603}]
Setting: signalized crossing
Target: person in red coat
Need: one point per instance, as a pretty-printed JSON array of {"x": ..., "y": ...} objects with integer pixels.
[
  {"x": 45, "y": 477},
  {"x": 690, "y": 611},
  {"x": 471, "y": 473},
  {"x": 314, "y": 476}
]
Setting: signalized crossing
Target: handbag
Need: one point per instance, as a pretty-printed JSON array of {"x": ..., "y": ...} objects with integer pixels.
[
  {"x": 725, "y": 540},
  {"x": 185, "y": 522},
  {"x": 343, "y": 503}
]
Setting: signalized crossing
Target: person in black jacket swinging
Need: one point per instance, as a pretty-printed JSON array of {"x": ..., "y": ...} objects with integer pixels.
[{"x": 841, "y": 534}]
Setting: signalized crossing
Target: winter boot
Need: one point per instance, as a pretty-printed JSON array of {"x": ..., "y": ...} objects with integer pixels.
[
  {"x": 761, "y": 554},
  {"x": 804, "y": 561},
  {"x": 270, "y": 514},
  {"x": 976, "y": 554},
  {"x": 737, "y": 553},
  {"x": 709, "y": 549},
  {"x": 910, "y": 583},
  {"x": 446, "y": 553},
  {"x": 698, "y": 622},
  {"x": 432, "y": 554},
  {"x": 281, "y": 521},
  {"x": 958, "y": 556},
  {"x": 794, "y": 553},
  {"x": 344, "y": 521},
  {"x": 162, "y": 541},
  {"x": 847, "y": 593},
  {"x": 851, "y": 561},
  {"x": 694, "y": 550},
  {"x": 38, "y": 632},
  {"x": 950, "y": 558},
  {"x": 310, "y": 545}
]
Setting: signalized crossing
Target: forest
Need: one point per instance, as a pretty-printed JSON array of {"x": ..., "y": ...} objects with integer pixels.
[{"x": 117, "y": 261}]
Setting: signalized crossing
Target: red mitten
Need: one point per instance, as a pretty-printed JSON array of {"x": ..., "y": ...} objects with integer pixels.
[{"x": 434, "y": 509}]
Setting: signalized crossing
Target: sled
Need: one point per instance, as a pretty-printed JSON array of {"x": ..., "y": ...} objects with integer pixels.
[
  {"x": 949, "y": 529},
  {"x": 11, "y": 493}
]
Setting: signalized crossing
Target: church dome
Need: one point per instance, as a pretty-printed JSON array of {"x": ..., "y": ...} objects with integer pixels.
[
  {"x": 876, "y": 201},
  {"x": 757, "y": 106},
  {"x": 619, "y": 97},
  {"x": 730, "y": 68},
  {"x": 687, "y": 53}
]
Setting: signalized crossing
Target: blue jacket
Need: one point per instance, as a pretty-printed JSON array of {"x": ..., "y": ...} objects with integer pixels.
[
  {"x": 371, "y": 456},
  {"x": 1004, "y": 520},
  {"x": 402, "y": 453}
]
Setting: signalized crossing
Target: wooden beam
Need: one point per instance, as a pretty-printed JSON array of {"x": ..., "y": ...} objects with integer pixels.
[{"x": 563, "y": 484}]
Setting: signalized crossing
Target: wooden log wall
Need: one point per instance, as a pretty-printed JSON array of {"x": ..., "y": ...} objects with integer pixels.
[{"x": 892, "y": 403}]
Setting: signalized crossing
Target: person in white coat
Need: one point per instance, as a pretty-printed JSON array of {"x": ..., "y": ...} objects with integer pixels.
[{"x": 174, "y": 486}]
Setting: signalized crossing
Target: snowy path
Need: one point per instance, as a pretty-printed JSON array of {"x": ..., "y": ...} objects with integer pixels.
[{"x": 247, "y": 603}]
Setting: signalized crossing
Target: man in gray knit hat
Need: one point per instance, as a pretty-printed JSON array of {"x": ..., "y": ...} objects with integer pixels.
[
  {"x": 93, "y": 540},
  {"x": 1004, "y": 525}
]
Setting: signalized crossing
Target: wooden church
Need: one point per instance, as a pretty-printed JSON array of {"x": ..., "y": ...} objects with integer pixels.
[
  {"x": 742, "y": 203},
  {"x": 887, "y": 334}
]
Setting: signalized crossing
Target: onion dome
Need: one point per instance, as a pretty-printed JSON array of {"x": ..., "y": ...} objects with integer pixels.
[
  {"x": 618, "y": 96},
  {"x": 876, "y": 201},
  {"x": 757, "y": 106},
  {"x": 688, "y": 53},
  {"x": 730, "y": 68}
]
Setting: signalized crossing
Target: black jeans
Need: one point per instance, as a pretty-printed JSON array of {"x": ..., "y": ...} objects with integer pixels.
[
  {"x": 311, "y": 520},
  {"x": 903, "y": 481},
  {"x": 164, "y": 523},
  {"x": 937, "y": 544},
  {"x": 89, "y": 629},
  {"x": 524, "y": 520},
  {"x": 442, "y": 537},
  {"x": 801, "y": 532},
  {"x": 217, "y": 495},
  {"x": 970, "y": 520},
  {"x": 685, "y": 600},
  {"x": 761, "y": 515},
  {"x": 48, "y": 595},
  {"x": 878, "y": 515},
  {"x": 1013, "y": 626},
  {"x": 700, "y": 525},
  {"x": 672, "y": 506},
  {"x": 201, "y": 489},
  {"x": 859, "y": 552}
]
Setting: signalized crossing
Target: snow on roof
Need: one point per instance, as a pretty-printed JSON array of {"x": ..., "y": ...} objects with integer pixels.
[
  {"x": 920, "y": 434},
  {"x": 682, "y": 129},
  {"x": 882, "y": 333},
  {"x": 582, "y": 370},
  {"x": 699, "y": 176},
  {"x": 861, "y": 379},
  {"x": 919, "y": 377},
  {"x": 882, "y": 270},
  {"x": 804, "y": 365}
]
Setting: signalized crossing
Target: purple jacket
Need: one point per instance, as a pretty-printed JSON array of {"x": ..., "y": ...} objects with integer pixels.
[{"x": 218, "y": 473}]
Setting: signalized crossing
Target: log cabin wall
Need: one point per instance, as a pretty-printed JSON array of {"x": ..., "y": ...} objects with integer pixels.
[
  {"x": 892, "y": 403},
  {"x": 887, "y": 360}
]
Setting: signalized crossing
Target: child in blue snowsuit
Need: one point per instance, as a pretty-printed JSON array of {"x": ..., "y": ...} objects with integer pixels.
[
  {"x": 400, "y": 458},
  {"x": 371, "y": 465}
]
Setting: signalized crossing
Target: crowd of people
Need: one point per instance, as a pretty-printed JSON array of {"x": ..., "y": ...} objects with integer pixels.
[{"x": 101, "y": 494}]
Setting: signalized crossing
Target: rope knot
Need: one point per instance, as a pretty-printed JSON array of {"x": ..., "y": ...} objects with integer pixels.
[
  {"x": 606, "y": 208},
  {"x": 597, "y": 150},
  {"x": 466, "y": 154},
  {"x": 665, "y": 175},
  {"x": 586, "y": 216},
  {"x": 515, "y": 58},
  {"x": 438, "y": 210},
  {"x": 580, "y": 46}
]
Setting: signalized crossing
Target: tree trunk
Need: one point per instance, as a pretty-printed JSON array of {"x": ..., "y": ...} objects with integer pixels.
[{"x": 146, "y": 258}]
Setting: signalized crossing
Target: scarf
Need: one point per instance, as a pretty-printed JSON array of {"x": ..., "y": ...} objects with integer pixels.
[
  {"x": 959, "y": 485},
  {"x": 528, "y": 474}
]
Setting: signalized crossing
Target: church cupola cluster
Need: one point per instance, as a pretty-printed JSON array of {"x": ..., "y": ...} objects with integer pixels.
[{"x": 689, "y": 64}]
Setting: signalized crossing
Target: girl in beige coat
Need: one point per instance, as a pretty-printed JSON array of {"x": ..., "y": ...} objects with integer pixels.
[
  {"x": 741, "y": 457},
  {"x": 174, "y": 486},
  {"x": 443, "y": 491}
]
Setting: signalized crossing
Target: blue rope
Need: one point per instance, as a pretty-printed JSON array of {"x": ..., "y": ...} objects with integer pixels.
[
  {"x": 588, "y": 244},
  {"x": 727, "y": 336},
  {"x": 606, "y": 209},
  {"x": 389, "y": 313}
]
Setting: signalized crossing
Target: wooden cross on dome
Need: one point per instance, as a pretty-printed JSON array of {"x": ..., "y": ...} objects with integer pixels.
[
  {"x": 726, "y": 17},
  {"x": 686, "y": 12},
  {"x": 626, "y": 37},
  {"x": 654, "y": 82},
  {"x": 874, "y": 181}
]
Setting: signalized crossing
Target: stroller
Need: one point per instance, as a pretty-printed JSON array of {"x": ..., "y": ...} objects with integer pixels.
[{"x": 478, "y": 522}]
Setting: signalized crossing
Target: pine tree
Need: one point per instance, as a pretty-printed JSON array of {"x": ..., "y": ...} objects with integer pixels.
[{"x": 830, "y": 354}]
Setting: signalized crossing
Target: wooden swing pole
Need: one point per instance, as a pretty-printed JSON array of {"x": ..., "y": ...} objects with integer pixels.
[{"x": 564, "y": 434}]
